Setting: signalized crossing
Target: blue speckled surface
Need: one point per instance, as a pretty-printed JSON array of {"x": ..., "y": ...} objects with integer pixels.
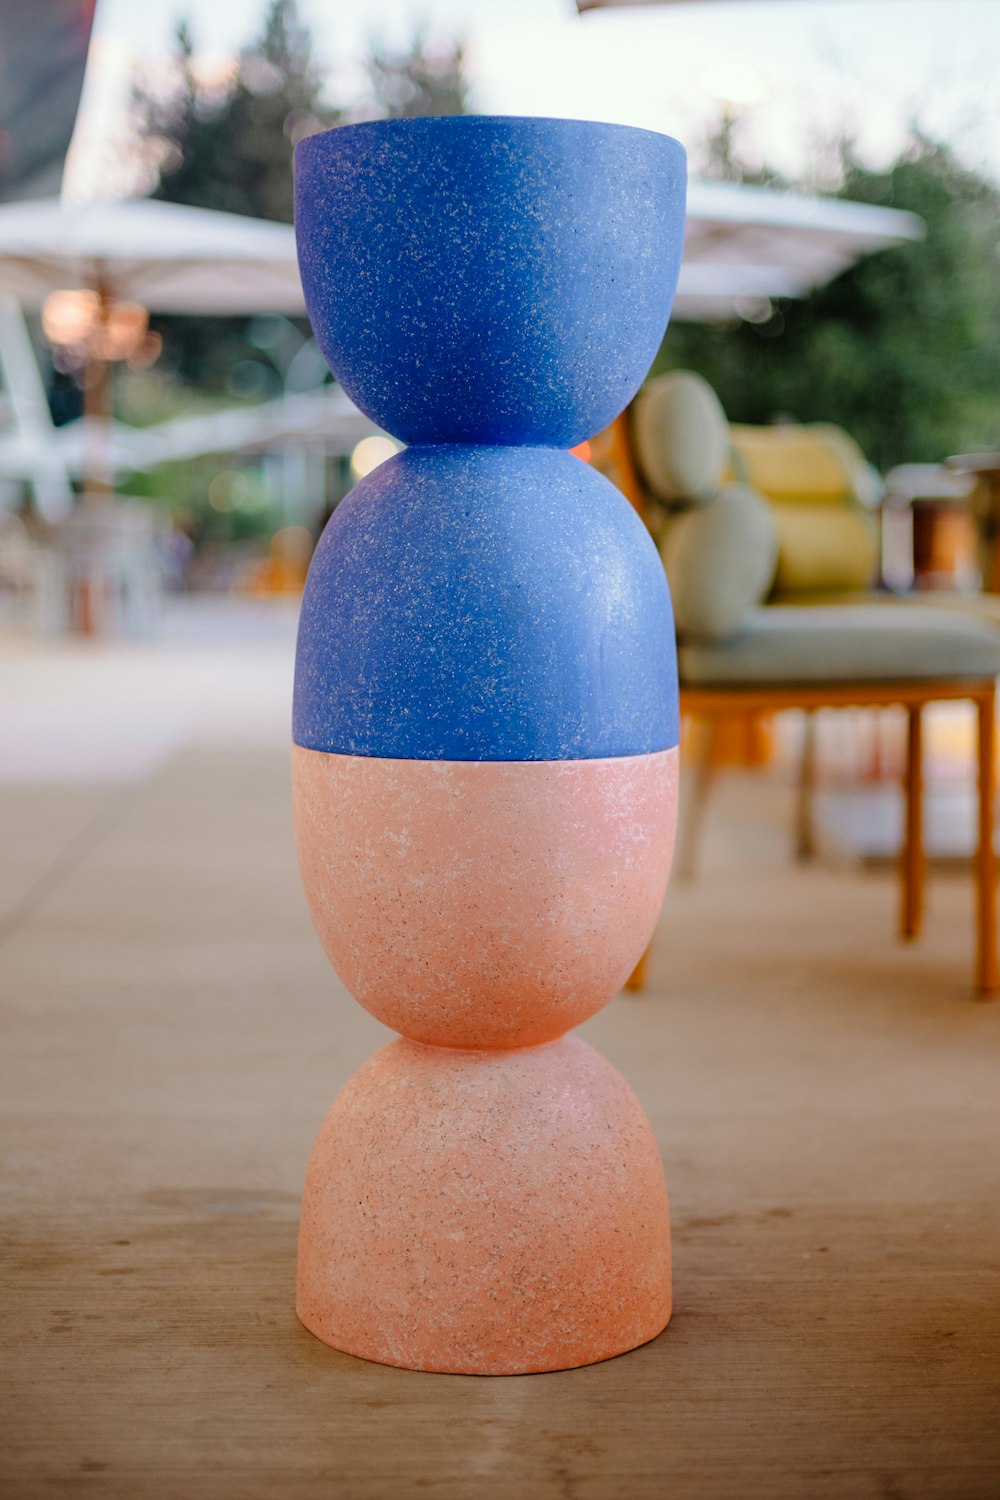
[
  {"x": 490, "y": 279},
  {"x": 486, "y": 604}
]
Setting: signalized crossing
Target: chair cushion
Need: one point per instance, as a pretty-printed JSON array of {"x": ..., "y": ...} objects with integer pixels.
[
  {"x": 814, "y": 465},
  {"x": 984, "y": 607},
  {"x": 720, "y": 561},
  {"x": 846, "y": 644},
  {"x": 867, "y": 486},
  {"x": 680, "y": 436},
  {"x": 823, "y": 548}
]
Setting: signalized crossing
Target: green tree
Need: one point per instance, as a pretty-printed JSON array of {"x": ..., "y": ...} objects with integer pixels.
[
  {"x": 722, "y": 157},
  {"x": 229, "y": 147},
  {"x": 903, "y": 349},
  {"x": 419, "y": 80}
]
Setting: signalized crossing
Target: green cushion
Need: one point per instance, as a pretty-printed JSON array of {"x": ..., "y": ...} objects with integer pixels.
[
  {"x": 847, "y": 643},
  {"x": 681, "y": 437},
  {"x": 720, "y": 560}
]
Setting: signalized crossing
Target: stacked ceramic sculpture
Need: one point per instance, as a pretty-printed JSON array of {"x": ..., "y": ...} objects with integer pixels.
[{"x": 486, "y": 738}]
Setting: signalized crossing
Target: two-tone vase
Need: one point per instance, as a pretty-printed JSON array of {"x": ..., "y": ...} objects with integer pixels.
[{"x": 486, "y": 729}]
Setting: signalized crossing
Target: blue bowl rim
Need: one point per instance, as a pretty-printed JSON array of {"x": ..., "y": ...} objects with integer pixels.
[{"x": 415, "y": 122}]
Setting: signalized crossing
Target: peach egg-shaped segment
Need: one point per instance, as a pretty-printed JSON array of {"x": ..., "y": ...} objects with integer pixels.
[{"x": 484, "y": 903}]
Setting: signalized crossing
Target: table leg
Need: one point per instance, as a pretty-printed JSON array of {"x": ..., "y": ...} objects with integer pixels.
[
  {"x": 804, "y": 844},
  {"x": 913, "y": 862},
  {"x": 987, "y": 978}
]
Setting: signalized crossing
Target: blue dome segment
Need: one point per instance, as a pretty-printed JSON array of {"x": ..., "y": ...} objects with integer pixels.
[
  {"x": 488, "y": 280},
  {"x": 486, "y": 604}
]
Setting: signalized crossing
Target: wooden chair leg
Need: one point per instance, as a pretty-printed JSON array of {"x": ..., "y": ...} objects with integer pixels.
[
  {"x": 987, "y": 977},
  {"x": 690, "y": 823},
  {"x": 804, "y": 844},
  {"x": 694, "y": 794},
  {"x": 912, "y": 859},
  {"x": 636, "y": 981}
]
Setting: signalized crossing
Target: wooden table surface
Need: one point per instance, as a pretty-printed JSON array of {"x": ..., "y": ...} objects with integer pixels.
[{"x": 827, "y": 1102}]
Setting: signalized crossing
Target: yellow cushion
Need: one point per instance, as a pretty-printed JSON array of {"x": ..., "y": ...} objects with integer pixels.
[
  {"x": 864, "y": 482},
  {"x": 794, "y": 465},
  {"x": 681, "y": 437},
  {"x": 823, "y": 548}
]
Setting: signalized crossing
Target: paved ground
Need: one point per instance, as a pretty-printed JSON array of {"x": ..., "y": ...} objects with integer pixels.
[{"x": 827, "y": 1104}]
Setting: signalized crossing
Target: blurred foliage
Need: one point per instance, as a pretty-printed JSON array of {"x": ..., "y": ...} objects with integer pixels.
[
  {"x": 228, "y": 146},
  {"x": 903, "y": 349},
  {"x": 218, "y": 500},
  {"x": 145, "y": 397},
  {"x": 722, "y": 159},
  {"x": 420, "y": 80}
]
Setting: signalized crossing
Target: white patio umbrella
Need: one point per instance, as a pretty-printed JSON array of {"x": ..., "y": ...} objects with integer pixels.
[
  {"x": 741, "y": 242},
  {"x": 745, "y": 243},
  {"x": 167, "y": 257},
  {"x": 70, "y": 449},
  {"x": 325, "y": 418}
]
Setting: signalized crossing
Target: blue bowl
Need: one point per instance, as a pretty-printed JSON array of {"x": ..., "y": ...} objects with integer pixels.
[{"x": 489, "y": 280}]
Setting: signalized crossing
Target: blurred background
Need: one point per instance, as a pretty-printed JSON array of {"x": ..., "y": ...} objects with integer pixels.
[
  {"x": 171, "y": 442},
  {"x": 171, "y": 445},
  {"x": 222, "y": 434}
]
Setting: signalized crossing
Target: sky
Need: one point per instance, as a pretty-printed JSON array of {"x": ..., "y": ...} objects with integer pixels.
[{"x": 797, "y": 72}]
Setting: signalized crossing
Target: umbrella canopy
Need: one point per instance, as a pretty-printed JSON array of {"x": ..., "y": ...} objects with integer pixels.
[
  {"x": 70, "y": 449},
  {"x": 745, "y": 243},
  {"x": 325, "y": 418},
  {"x": 169, "y": 258},
  {"x": 741, "y": 242}
]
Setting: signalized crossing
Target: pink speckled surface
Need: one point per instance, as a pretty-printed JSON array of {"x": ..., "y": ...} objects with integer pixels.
[
  {"x": 485, "y": 1213},
  {"x": 484, "y": 903}
]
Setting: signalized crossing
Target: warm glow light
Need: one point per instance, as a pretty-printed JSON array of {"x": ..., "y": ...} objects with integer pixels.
[
  {"x": 121, "y": 332},
  {"x": 292, "y": 544},
  {"x": 370, "y": 452},
  {"x": 78, "y": 321},
  {"x": 70, "y": 317}
]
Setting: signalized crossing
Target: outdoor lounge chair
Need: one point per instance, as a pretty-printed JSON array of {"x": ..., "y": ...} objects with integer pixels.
[{"x": 724, "y": 546}]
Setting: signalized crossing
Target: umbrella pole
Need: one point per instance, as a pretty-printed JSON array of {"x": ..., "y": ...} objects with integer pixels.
[
  {"x": 90, "y": 601},
  {"x": 97, "y": 406}
]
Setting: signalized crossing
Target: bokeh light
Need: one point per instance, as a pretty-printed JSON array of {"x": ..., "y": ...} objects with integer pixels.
[{"x": 370, "y": 452}]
